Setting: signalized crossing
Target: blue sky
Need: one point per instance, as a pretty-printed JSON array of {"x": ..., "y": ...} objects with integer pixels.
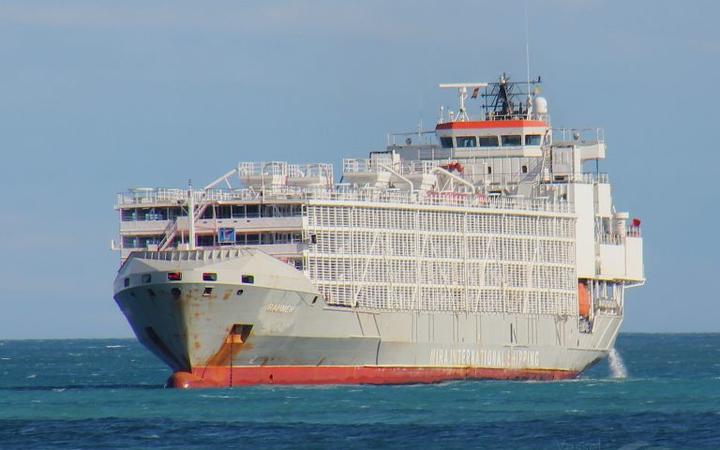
[{"x": 98, "y": 96}]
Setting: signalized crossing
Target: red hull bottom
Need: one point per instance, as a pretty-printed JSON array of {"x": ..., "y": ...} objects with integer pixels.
[{"x": 219, "y": 376}]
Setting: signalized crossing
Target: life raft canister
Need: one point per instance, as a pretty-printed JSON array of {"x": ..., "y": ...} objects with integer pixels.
[{"x": 456, "y": 166}]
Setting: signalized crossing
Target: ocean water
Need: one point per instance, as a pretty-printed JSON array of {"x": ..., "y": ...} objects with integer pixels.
[{"x": 656, "y": 391}]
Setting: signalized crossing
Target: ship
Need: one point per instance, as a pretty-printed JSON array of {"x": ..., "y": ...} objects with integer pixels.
[{"x": 487, "y": 247}]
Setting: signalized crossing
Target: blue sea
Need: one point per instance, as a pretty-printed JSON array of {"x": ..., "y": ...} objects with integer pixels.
[{"x": 92, "y": 394}]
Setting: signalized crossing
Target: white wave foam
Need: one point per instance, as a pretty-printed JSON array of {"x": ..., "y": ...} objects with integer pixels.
[{"x": 617, "y": 367}]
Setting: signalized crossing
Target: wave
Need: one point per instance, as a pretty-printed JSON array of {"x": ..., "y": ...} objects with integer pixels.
[
  {"x": 617, "y": 366},
  {"x": 80, "y": 387}
]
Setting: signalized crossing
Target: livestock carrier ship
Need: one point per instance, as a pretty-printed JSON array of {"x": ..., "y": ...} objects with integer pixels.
[{"x": 480, "y": 249}]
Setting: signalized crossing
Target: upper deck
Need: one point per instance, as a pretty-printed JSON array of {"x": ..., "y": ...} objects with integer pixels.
[{"x": 342, "y": 193}]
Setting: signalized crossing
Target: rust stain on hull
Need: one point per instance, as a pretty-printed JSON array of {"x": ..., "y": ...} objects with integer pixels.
[{"x": 228, "y": 350}]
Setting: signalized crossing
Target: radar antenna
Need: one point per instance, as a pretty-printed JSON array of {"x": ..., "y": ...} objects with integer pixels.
[{"x": 462, "y": 88}]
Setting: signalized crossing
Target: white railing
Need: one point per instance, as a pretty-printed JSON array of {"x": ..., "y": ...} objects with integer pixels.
[
  {"x": 363, "y": 165},
  {"x": 579, "y": 135},
  {"x": 424, "y": 137},
  {"x": 256, "y": 168},
  {"x": 310, "y": 170},
  {"x": 404, "y": 167},
  {"x": 348, "y": 193},
  {"x": 592, "y": 178}
]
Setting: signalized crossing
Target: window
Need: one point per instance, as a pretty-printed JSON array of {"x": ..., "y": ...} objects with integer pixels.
[
  {"x": 209, "y": 276},
  {"x": 131, "y": 242},
  {"x": 252, "y": 211},
  {"x": 446, "y": 142},
  {"x": 466, "y": 141},
  {"x": 209, "y": 213},
  {"x": 146, "y": 278},
  {"x": 238, "y": 211},
  {"x": 174, "y": 276},
  {"x": 489, "y": 170},
  {"x": 206, "y": 241},
  {"x": 524, "y": 169},
  {"x": 533, "y": 139},
  {"x": 513, "y": 140},
  {"x": 207, "y": 292},
  {"x": 488, "y": 141},
  {"x": 126, "y": 282},
  {"x": 224, "y": 212},
  {"x": 128, "y": 214},
  {"x": 248, "y": 279}
]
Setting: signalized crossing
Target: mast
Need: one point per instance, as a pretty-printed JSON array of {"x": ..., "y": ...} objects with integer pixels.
[{"x": 191, "y": 216}]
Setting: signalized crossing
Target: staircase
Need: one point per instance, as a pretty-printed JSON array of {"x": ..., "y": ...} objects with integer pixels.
[{"x": 171, "y": 230}]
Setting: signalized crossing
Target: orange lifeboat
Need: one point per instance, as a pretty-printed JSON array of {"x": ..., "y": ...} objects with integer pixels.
[{"x": 583, "y": 299}]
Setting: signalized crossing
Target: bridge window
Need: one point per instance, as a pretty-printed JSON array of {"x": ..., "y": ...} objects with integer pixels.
[
  {"x": 533, "y": 139},
  {"x": 466, "y": 141},
  {"x": 488, "y": 141},
  {"x": 446, "y": 142},
  {"x": 514, "y": 140}
]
